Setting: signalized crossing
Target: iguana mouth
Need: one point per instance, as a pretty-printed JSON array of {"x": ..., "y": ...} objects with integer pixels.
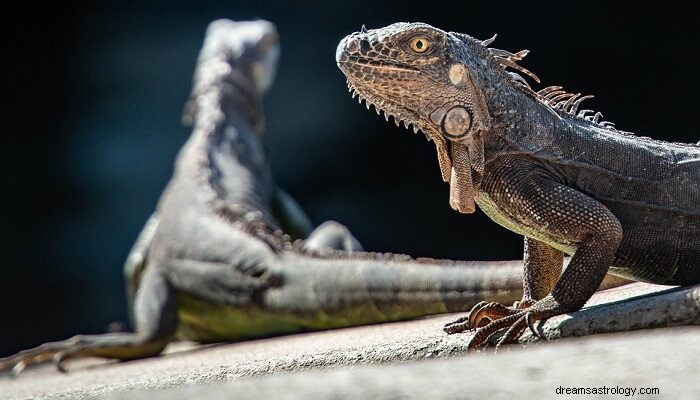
[{"x": 384, "y": 65}]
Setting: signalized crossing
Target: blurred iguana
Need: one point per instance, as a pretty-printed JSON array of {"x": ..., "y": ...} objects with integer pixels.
[{"x": 216, "y": 261}]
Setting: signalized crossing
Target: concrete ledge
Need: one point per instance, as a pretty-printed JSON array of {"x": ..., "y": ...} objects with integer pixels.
[
  {"x": 187, "y": 364},
  {"x": 663, "y": 360},
  {"x": 626, "y": 308}
]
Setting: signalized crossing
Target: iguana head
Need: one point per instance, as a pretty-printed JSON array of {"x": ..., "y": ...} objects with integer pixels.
[
  {"x": 239, "y": 60},
  {"x": 424, "y": 77},
  {"x": 252, "y": 47}
]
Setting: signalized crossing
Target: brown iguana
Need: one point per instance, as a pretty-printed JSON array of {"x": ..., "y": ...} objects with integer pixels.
[
  {"x": 567, "y": 181},
  {"x": 216, "y": 261}
]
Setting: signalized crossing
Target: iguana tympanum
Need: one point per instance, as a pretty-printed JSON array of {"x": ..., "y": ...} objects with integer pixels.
[
  {"x": 213, "y": 263},
  {"x": 568, "y": 182}
]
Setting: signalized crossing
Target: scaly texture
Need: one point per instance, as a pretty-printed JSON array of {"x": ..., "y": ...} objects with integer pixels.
[{"x": 564, "y": 179}]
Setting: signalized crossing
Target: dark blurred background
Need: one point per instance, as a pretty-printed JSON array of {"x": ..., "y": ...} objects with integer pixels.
[{"x": 92, "y": 97}]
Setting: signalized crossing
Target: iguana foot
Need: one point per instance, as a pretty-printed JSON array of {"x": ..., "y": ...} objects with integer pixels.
[
  {"x": 122, "y": 346},
  {"x": 480, "y": 315},
  {"x": 490, "y": 319}
]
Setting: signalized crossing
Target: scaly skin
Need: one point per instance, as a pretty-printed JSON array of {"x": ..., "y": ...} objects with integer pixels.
[
  {"x": 566, "y": 181},
  {"x": 216, "y": 261}
]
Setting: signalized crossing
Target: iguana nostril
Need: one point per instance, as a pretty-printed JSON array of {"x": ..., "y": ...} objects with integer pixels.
[
  {"x": 352, "y": 45},
  {"x": 364, "y": 44}
]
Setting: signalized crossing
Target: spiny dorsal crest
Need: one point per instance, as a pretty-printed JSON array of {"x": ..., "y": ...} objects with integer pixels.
[{"x": 552, "y": 96}]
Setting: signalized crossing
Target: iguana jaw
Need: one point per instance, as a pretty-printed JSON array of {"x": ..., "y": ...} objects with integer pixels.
[
  {"x": 410, "y": 120},
  {"x": 451, "y": 156}
]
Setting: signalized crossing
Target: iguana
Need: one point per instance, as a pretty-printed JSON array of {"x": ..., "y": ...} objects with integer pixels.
[
  {"x": 565, "y": 180},
  {"x": 217, "y": 262}
]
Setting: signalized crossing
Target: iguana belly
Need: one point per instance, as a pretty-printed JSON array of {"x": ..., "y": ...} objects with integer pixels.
[
  {"x": 205, "y": 322},
  {"x": 497, "y": 215},
  {"x": 663, "y": 252}
]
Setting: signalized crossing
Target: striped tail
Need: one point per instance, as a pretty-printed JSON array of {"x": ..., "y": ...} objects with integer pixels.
[{"x": 326, "y": 293}]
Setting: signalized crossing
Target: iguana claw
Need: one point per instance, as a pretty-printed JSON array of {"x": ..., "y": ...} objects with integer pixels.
[
  {"x": 48, "y": 352},
  {"x": 530, "y": 324},
  {"x": 515, "y": 324},
  {"x": 490, "y": 318},
  {"x": 458, "y": 325},
  {"x": 18, "y": 368},
  {"x": 480, "y": 315}
]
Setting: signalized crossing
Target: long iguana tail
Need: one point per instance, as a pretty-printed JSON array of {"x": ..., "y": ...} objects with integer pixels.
[
  {"x": 376, "y": 288},
  {"x": 324, "y": 293},
  {"x": 317, "y": 293}
]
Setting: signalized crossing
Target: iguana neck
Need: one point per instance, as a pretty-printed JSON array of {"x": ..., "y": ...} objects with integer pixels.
[
  {"x": 516, "y": 116},
  {"x": 510, "y": 107}
]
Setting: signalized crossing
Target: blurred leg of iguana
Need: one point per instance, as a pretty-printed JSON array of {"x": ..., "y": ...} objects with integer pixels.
[{"x": 156, "y": 319}]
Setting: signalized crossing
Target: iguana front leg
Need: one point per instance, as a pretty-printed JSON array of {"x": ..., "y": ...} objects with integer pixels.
[
  {"x": 329, "y": 235},
  {"x": 291, "y": 215},
  {"x": 530, "y": 200}
]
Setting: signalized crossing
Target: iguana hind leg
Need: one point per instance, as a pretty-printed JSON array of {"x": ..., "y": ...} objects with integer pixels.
[
  {"x": 543, "y": 265},
  {"x": 136, "y": 262},
  {"x": 542, "y": 268},
  {"x": 155, "y": 324}
]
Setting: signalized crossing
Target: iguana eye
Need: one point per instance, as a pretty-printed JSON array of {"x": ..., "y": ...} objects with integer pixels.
[{"x": 419, "y": 44}]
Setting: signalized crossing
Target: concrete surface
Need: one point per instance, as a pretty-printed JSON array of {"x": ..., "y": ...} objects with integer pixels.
[{"x": 665, "y": 358}]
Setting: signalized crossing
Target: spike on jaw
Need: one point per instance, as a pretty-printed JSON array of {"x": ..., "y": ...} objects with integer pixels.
[{"x": 363, "y": 29}]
